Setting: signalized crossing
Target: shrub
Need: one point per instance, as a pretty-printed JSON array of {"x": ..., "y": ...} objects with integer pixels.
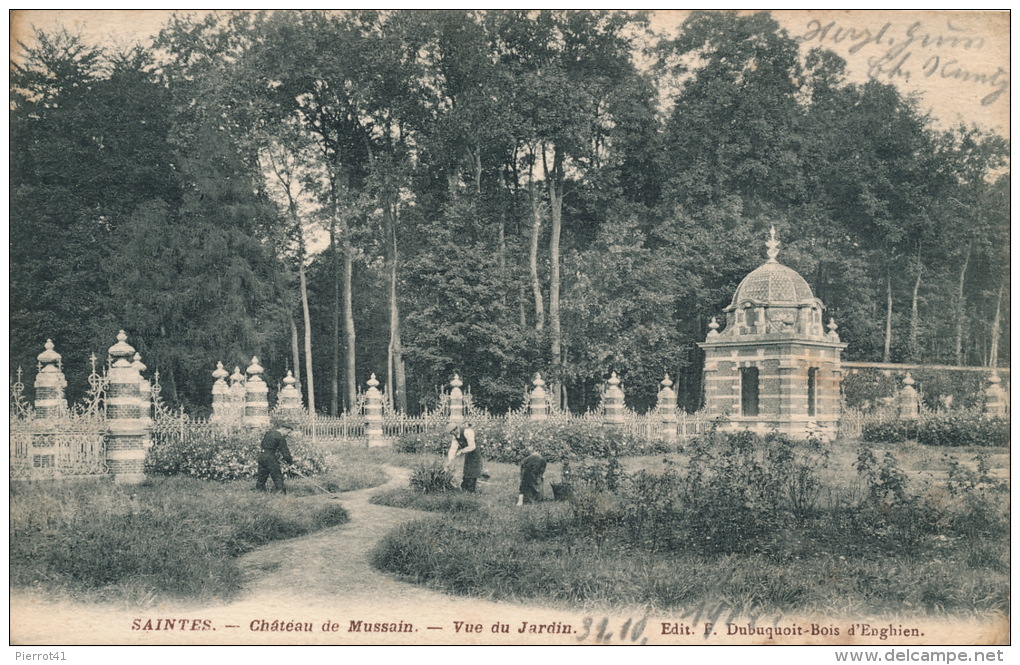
[
  {"x": 225, "y": 454},
  {"x": 963, "y": 430},
  {"x": 431, "y": 478},
  {"x": 891, "y": 431},
  {"x": 435, "y": 442},
  {"x": 508, "y": 440},
  {"x": 980, "y": 505},
  {"x": 331, "y": 515},
  {"x": 737, "y": 491},
  {"x": 866, "y": 388},
  {"x": 946, "y": 429},
  {"x": 894, "y": 516}
]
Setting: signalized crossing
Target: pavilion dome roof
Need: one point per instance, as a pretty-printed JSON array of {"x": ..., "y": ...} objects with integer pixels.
[{"x": 772, "y": 283}]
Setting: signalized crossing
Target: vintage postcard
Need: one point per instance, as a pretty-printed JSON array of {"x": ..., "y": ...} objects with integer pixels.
[{"x": 662, "y": 328}]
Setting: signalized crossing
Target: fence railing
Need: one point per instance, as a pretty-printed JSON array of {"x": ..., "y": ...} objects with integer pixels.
[
  {"x": 63, "y": 448},
  {"x": 74, "y": 444}
]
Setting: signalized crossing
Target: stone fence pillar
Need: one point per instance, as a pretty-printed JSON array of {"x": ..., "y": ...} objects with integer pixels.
[
  {"x": 49, "y": 385},
  {"x": 996, "y": 405},
  {"x": 373, "y": 414},
  {"x": 256, "y": 396},
  {"x": 144, "y": 398},
  {"x": 235, "y": 410},
  {"x": 289, "y": 404},
  {"x": 612, "y": 402},
  {"x": 666, "y": 408},
  {"x": 220, "y": 394},
  {"x": 539, "y": 405},
  {"x": 125, "y": 443},
  {"x": 456, "y": 400},
  {"x": 907, "y": 400}
]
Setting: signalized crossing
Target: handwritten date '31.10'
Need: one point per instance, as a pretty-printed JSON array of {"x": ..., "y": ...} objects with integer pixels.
[{"x": 604, "y": 635}]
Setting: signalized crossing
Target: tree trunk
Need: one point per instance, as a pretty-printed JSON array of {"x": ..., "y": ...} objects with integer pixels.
[
  {"x": 993, "y": 360},
  {"x": 887, "y": 350},
  {"x": 915, "y": 321},
  {"x": 536, "y": 285},
  {"x": 310, "y": 386},
  {"x": 555, "y": 180},
  {"x": 521, "y": 310},
  {"x": 295, "y": 349},
  {"x": 342, "y": 299},
  {"x": 335, "y": 370},
  {"x": 478, "y": 170},
  {"x": 349, "y": 333},
  {"x": 397, "y": 386},
  {"x": 961, "y": 310},
  {"x": 285, "y": 176},
  {"x": 501, "y": 259}
]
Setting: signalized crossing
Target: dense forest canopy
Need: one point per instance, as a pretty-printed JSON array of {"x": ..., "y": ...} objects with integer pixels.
[{"x": 491, "y": 193}]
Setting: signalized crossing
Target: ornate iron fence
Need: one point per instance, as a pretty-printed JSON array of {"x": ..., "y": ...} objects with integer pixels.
[
  {"x": 69, "y": 445},
  {"x": 57, "y": 449}
]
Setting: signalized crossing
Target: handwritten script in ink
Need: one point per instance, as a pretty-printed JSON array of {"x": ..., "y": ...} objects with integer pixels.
[{"x": 916, "y": 51}]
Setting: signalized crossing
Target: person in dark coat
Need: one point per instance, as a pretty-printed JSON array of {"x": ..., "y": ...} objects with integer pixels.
[
  {"x": 532, "y": 479},
  {"x": 274, "y": 446},
  {"x": 462, "y": 442}
]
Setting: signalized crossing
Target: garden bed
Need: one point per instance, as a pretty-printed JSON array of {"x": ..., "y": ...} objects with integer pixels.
[
  {"x": 738, "y": 523},
  {"x": 169, "y": 538}
]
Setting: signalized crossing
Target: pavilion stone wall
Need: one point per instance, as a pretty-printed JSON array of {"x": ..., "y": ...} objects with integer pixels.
[{"x": 783, "y": 375}]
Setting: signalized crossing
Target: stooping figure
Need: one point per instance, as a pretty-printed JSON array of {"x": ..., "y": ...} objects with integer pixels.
[
  {"x": 462, "y": 443},
  {"x": 532, "y": 478},
  {"x": 274, "y": 447}
]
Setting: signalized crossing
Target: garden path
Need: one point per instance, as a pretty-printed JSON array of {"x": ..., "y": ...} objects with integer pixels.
[
  {"x": 326, "y": 580},
  {"x": 324, "y": 577}
]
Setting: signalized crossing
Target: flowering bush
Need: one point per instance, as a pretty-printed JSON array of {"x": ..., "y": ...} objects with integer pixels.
[
  {"x": 556, "y": 440},
  {"x": 225, "y": 454}
]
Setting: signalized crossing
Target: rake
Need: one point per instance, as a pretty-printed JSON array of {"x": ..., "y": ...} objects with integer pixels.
[{"x": 315, "y": 484}]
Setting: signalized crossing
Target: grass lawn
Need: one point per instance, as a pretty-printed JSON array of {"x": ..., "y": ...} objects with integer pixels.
[
  {"x": 914, "y": 537},
  {"x": 171, "y": 537}
]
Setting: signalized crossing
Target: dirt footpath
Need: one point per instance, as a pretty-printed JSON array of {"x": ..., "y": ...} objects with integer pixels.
[
  {"x": 323, "y": 578},
  {"x": 321, "y": 589}
]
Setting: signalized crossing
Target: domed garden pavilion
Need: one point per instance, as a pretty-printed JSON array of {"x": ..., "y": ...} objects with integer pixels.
[{"x": 774, "y": 366}]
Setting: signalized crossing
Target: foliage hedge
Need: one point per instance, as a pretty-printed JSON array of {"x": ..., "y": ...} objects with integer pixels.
[
  {"x": 866, "y": 388},
  {"x": 943, "y": 430},
  {"x": 953, "y": 430},
  {"x": 227, "y": 454},
  {"x": 508, "y": 440}
]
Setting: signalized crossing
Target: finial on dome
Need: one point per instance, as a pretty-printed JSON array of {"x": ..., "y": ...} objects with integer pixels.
[{"x": 772, "y": 244}]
